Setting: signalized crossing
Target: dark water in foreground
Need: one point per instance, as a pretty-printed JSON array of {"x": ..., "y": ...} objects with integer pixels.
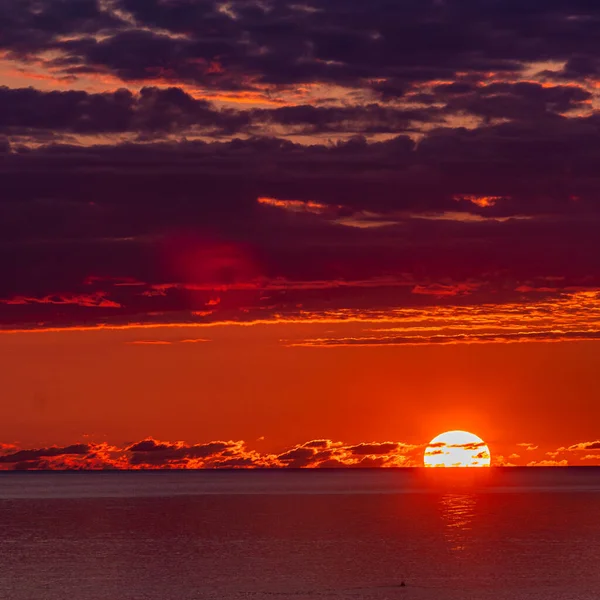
[{"x": 459, "y": 534}]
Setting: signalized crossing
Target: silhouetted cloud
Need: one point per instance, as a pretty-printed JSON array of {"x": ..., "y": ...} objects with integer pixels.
[
  {"x": 347, "y": 43},
  {"x": 374, "y": 449},
  {"x": 154, "y": 454},
  {"x": 152, "y": 110},
  {"x": 151, "y": 453},
  {"x": 30, "y": 455}
]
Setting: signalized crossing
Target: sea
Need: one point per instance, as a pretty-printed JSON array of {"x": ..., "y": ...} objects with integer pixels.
[{"x": 418, "y": 534}]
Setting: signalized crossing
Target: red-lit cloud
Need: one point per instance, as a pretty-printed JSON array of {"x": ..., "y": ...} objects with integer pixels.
[
  {"x": 569, "y": 317},
  {"x": 481, "y": 201},
  {"x": 167, "y": 342},
  {"x": 154, "y": 454},
  {"x": 297, "y": 205},
  {"x": 150, "y": 453},
  {"x": 97, "y": 300}
]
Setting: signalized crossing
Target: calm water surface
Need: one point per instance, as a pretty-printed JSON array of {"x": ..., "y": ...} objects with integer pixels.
[{"x": 501, "y": 534}]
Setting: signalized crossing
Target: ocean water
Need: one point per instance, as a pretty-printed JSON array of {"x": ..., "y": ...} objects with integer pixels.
[{"x": 518, "y": 534}]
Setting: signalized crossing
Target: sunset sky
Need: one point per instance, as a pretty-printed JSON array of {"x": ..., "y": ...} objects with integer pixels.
[{"x": 291, "y": 234}]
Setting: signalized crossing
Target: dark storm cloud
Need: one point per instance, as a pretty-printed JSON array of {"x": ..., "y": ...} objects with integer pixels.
[
  {"x": 515, "y": 101},
  {"x": 343, "y": 41},
  {"x": 31, "y": 25},
  {"x": 501, "y": 209},
  {"x": 28, "y": 111},
  {"x": 102, "y": 230},
  {"x": 536, "y": 167},
  {"x": 369, "y": 119},
  {"x": 346, "y": 41},
  {"x": 152, "y": 110}
]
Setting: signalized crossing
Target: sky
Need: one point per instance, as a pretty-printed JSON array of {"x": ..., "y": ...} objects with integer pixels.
[{"x": 298, "y": 234}]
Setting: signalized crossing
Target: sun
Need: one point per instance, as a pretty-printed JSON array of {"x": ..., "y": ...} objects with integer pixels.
[{"x": 457, "y": 449}]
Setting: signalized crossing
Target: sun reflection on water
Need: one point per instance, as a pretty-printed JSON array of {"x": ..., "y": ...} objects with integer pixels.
[{"x": 458, "y": 511}]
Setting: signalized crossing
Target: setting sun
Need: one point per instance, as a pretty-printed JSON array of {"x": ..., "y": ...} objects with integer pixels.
[{"x": 457, "y": 449}]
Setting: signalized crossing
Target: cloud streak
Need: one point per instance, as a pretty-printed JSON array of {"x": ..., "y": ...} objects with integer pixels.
[{"x": 572, "y": 317}]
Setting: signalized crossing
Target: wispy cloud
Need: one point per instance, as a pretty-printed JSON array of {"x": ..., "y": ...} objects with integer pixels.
[
  {"x": 298, "y": 206},
  {"x": 167, "y": 342},
  {"x": 528, "y": 446},
  {"x": 582, "y": 446},
  {"x": 96, "y": 300},
  {"x": 568, "y": 317},
  {"x": 149, "y": 343}
]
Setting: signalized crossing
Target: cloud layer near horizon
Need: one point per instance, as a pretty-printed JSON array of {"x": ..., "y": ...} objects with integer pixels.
[{"x": 322, "y": 453}]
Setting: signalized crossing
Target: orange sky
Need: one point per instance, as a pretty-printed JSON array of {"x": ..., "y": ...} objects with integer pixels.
[{"x": 243, "y": 384}]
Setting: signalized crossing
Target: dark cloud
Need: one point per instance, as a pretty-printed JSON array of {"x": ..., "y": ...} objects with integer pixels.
[
  {"x": 523, "y": 101},
  {"x": 277, "y": 42},
  {"x": 33, "y": 25},
  {"x": 317, "y": 444},
  {"x": 349, "y": 41},
  {"x": 153, "y": 110},
  {"x": 369, "y": 119},
  {"x": 159, "y": 112},
  {"x": 547, "y": 167},
  {"x": 437, "y": 106},
  {"x": 163, "y": 111},
  {"x": 152, "y": 452},
  {"x": 22, "y": 456},
  {"x": 111, "y": 232},
  {"x": 297, "y": 458},
  {"x": 381, "y": 448}
]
